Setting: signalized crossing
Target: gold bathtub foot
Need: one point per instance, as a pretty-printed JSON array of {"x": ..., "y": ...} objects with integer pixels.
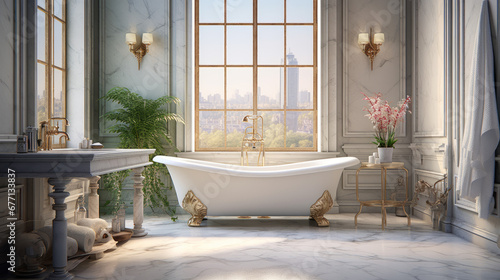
[
  {"x": 195, "y": 207},
  {"x": 320, "y": 207}
]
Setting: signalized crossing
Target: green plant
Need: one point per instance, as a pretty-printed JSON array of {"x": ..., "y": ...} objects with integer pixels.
[
  {"x": 113, "y": 183},
  {"x": 142, "y": 124}
]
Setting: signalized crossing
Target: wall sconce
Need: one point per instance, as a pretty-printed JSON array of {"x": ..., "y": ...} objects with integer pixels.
[
  {"x": 370, "y": 44},
  {"x": 142, "y": 49}
]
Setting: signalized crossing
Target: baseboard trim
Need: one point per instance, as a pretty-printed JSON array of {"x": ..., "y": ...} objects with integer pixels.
[{"x": 477, "y": 236}]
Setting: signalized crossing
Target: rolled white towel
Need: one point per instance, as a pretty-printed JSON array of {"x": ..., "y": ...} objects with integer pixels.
[
  {"x": 83, "y": 235},
  {"x": 104, "y": 236},
  {"x": 72, "y": 246},
  {"x": 99, "y": 226},
  {"x": 45, "y": 234}
]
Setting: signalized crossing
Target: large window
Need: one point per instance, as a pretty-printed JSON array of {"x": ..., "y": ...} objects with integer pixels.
[
  {"x": 51, "y": 66},
  {"x": 256, "y": 57}
]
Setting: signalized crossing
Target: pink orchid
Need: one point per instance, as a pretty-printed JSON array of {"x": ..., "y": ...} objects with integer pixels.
[{"x": 385, "y": 118}]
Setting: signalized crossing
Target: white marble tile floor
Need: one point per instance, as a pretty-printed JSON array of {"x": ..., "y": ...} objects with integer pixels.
[{"x": 292, "y": 248}]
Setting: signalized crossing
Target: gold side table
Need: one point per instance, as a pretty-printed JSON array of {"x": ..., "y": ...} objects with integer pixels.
[{"x": 383, "y": 203}]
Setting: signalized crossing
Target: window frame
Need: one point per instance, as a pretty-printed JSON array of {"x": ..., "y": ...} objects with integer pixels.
[
  {"x": 255, "y": 66},
  {"x": 50, "y": 67}
]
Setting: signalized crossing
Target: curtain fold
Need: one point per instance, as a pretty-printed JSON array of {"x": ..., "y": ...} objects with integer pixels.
[{"x": 481, "y": 131}]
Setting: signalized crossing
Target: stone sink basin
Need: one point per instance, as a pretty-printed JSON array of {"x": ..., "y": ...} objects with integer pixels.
[{"x": 73, "y": 162}]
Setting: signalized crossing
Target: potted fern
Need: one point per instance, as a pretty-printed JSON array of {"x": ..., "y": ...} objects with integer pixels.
[{"x": 142, "y": 124}]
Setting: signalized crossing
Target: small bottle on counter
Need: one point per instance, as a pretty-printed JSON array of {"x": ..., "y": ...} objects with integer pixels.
[
  {"x": 22, "y": 144},
  {"x": 371, "y": 159}
]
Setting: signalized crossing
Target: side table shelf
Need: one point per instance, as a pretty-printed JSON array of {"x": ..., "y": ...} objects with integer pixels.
[{"x": 383, "y": 203}]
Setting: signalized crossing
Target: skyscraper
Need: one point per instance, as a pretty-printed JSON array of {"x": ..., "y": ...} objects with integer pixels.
[{"x": 292, "y": 88}]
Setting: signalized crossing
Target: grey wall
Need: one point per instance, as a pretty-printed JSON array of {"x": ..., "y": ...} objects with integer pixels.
[{"x": 8, "y": 96}]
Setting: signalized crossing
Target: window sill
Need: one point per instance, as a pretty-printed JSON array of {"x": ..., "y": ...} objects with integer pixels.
[{"x": 271, "y": 158}]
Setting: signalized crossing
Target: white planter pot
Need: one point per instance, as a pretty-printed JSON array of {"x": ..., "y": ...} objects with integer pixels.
[{"x": 385, "y": 154}]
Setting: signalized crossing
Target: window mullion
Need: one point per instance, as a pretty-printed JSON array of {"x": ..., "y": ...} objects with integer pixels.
[
  {"x": 197, "y": 75},
  {"x": 255, "y": 69},
  {"x": 49, "y": 75},
  {"x": 285, "y": 76},
  {"x": 225, "y": 73},
  {"x": 315, "y": 74}
]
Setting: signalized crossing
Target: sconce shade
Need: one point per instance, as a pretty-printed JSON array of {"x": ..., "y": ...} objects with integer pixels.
[
  {"x": 363, "y": 39},
  {"x": 370, "y": 43},
  {"x": 130, "y": 38},
  {"x": 147, "y": 38},
  {"x": 378, "y": 38}
]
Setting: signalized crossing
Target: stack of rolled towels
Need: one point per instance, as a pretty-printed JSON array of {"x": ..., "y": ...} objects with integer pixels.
[{"x": 81, "y": 236}]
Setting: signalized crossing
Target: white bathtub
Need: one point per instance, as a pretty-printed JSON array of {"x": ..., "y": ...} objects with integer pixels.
[{"x": 234, "y": 190}]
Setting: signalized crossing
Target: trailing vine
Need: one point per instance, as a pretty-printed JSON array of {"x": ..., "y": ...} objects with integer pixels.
[{"x": 142, "y": 124}]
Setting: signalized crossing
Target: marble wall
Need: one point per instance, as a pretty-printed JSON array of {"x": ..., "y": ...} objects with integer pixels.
[
  {"x": 388, "y": 75},
  {"x": 119, "y": 66},
  {"x": 75, "y": 77},
  {"x": 429, "y": 95},
  {"x": 181, "y": 68},
  {"x": 428, "y": 62},
  {"x": 8, "y": 97}
]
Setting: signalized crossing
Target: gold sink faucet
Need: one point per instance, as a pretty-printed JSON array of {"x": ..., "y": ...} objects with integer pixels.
[{"x": 47, "y": 131}]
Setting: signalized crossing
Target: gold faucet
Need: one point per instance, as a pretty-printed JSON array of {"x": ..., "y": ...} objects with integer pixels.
[
  {"x": 252, "y": 139},
  {"x": 47, "y": 131}
]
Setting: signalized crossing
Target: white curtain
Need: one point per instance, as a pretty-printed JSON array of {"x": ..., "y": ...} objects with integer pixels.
[{"x": 481, "y": 132}]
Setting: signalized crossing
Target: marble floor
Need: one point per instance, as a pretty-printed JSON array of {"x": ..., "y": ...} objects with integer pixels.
[{"x": 293, "y": 248}]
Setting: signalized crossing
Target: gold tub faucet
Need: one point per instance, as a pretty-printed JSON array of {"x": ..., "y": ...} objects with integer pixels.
[{"x": 253, "y": 139}]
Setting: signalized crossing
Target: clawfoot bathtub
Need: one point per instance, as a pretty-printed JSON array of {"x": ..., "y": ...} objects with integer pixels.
[{"x": 216, "y": 189}]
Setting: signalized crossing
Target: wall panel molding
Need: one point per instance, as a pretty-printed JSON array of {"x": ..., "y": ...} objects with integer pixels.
[
  {"x": 389, "y": 69},
  {"x": 429, "y": 68}
]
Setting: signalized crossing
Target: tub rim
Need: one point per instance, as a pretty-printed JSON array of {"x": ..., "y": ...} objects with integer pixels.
[{"x": 289, "y": 169}]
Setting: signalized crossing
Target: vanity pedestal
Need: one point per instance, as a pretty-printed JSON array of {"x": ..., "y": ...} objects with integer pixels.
[{"x": 60, "y": 166}]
